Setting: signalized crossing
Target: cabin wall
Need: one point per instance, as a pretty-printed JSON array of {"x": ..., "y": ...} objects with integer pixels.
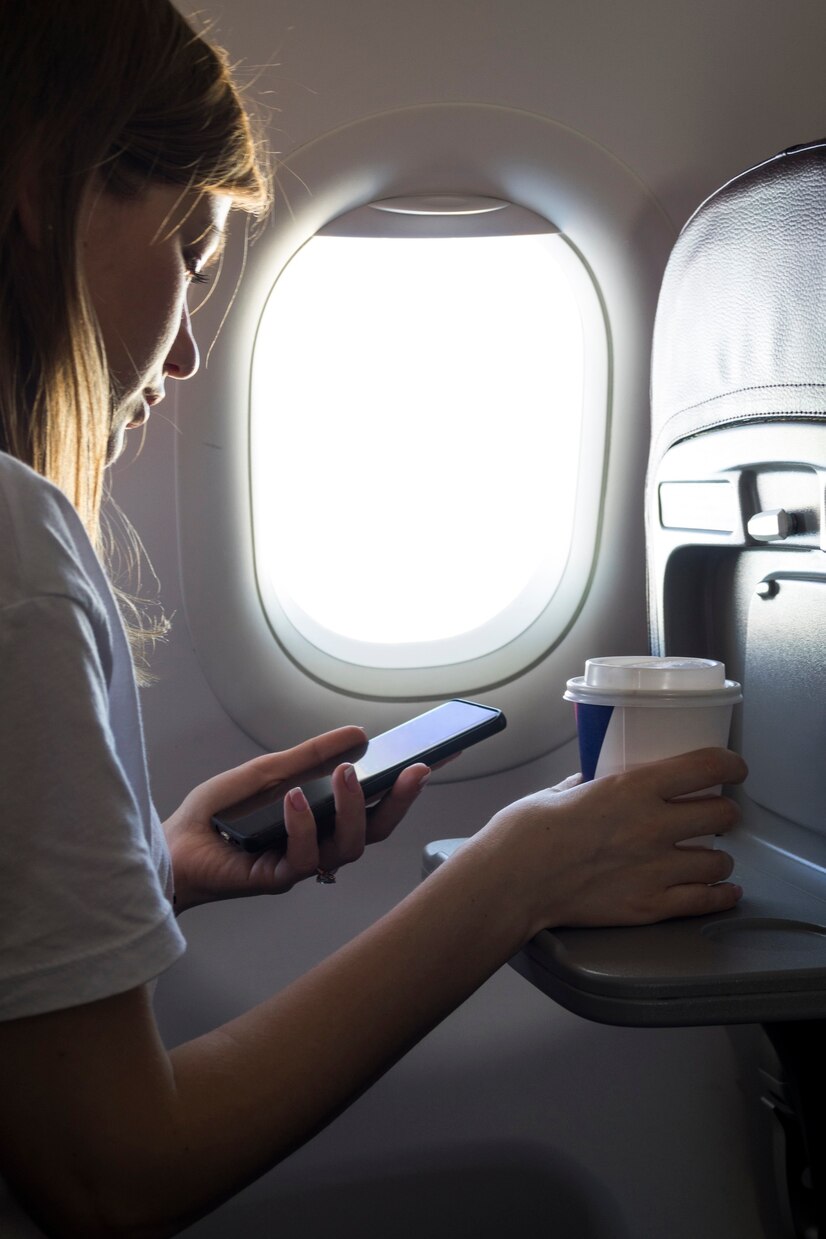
[{"x": 512, "y": 1102}]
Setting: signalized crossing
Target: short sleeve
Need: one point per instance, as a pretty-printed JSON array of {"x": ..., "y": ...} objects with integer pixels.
[{"x": 82, "y": 911}]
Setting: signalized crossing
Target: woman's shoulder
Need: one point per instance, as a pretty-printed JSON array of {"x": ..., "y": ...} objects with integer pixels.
[{"x": 44, "y": 549}]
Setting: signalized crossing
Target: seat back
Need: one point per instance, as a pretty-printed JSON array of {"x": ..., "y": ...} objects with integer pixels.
[{"x": 736, "y": 522}]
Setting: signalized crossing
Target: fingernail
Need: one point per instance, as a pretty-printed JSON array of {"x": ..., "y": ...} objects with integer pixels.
[
  {"x": 298, "y": 800},
  {"x": 424, "y": 779},
  {"x": 351, "y": 778}
]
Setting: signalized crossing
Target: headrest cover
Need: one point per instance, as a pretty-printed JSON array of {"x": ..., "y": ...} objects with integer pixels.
[{"x": 740, "y": 332}]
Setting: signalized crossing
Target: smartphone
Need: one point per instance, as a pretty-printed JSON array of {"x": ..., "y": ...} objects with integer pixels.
[{"x": 258, "y": 822}]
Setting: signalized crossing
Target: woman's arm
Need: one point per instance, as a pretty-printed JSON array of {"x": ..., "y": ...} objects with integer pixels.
[{"x": 104, "y": 1133}]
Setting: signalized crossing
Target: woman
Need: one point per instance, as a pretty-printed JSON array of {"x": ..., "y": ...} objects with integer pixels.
[{"x": 124, "y": 147}]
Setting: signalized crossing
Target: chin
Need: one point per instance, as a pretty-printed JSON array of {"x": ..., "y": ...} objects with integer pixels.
[{"x": 115, "y": 444}]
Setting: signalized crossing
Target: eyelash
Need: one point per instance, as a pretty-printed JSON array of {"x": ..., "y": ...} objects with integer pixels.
[{"x": 194, "y": 275}]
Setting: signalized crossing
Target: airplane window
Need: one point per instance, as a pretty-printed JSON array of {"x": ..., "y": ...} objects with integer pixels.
[
  {"x": 434, "y": 403},
  {"x": 443, "y": 370}
]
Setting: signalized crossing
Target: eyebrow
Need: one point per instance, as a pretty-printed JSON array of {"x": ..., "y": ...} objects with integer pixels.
[
  {"x": 208, "y": 247},
  {"x": 214, "y": 240},
  {"x": 211, "y": 238}
]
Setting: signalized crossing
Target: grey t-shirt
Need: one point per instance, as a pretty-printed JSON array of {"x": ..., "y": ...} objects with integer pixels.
[{"x": 85, "y": 879}]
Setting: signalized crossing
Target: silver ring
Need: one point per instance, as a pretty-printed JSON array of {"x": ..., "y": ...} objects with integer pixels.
[{"x": 326, "y": 876}]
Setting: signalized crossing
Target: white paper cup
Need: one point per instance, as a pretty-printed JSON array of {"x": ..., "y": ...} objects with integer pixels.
[{"x": 631, "y": 710}]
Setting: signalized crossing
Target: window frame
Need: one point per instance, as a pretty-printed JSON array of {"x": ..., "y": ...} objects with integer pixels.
[
  {"x": 411, "y": 675},
  {"x": 624, "y": 237}
]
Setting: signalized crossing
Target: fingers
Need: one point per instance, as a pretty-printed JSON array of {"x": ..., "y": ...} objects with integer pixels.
[
  {"x": 348, "y": 840},
  {"x": 709, "y": 815},
  {"x": 674, "y": 883},
  {"x": 304, "y": 853},
  {"x": 693, "y": 772},
  {"x": 700, "y": 900},
  {"x": 324, "y": 748},
  {"x": 353, "y": 830},
  {"x": 386, "y": 815},
  {"x": 573, "y": 780},
  {"x": 273, "y": 768},
  {"x": 690, "y": 866},
  {"x": 301, "y": 856},
  {"x": 318, "y": 751}
]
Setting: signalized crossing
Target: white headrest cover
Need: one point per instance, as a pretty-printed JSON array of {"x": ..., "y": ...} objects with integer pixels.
[{"x": 740, "y": 332}]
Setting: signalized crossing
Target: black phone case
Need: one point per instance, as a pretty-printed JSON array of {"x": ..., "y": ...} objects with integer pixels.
[{"x": 262, "y": 815}]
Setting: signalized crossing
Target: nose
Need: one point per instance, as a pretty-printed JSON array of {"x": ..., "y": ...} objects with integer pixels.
[{"x": 183, "y": 358}]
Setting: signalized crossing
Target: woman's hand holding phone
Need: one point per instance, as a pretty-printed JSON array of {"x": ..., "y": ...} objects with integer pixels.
[{"x": 206, "y": 869}]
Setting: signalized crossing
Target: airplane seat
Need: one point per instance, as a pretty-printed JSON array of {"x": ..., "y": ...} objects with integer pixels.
[
  {"x": 736, "y": 561},
  {"x": 736, "y": 548}
]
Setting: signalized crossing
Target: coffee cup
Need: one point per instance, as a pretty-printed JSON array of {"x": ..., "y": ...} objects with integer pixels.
[{"x": 631, "y": 710}]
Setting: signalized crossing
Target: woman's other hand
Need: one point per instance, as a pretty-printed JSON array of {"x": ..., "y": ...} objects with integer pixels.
[{"x": 605, "y": 852}]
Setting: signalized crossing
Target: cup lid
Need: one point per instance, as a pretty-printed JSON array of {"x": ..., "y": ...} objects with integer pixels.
[
  {"x": 655, "y": 675},
  {"x": 644, "y": 676}
]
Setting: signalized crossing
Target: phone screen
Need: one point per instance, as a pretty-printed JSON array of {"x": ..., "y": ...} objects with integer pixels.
[{"x": 403, "y": 745}]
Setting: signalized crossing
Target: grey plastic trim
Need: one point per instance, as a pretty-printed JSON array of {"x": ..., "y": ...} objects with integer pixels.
[{"x": 762, "y": 962}]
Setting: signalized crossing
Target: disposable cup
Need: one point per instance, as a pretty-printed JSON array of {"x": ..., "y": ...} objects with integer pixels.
[{"x": 631, "y": 710}]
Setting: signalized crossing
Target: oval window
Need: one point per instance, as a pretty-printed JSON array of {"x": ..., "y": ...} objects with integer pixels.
[{"x": 418, "y": 395}]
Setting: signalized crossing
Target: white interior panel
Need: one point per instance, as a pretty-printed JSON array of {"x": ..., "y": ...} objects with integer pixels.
[{"x": 619, "y": 230}]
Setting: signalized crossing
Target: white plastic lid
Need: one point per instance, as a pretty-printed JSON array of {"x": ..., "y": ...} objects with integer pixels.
[
  {"x": 636, "y": 677},
  {"x": 655, "y": 675}
]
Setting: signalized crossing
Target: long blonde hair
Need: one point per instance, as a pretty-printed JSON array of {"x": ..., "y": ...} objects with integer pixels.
[{"x": 127, "y": 91}]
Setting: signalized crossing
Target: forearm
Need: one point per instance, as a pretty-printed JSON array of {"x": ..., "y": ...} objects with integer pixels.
[
  {"x": 282, "y": 1070},
  {"x": 146, "y": 1141}
]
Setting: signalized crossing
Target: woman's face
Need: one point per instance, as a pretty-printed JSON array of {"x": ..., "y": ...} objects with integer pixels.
[{"x": 139, "y": 256}]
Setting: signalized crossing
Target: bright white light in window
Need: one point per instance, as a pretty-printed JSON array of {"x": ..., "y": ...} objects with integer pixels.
[{"x": 415, "y": 435}]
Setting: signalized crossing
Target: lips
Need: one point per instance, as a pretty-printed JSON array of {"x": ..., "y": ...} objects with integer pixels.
[
  {"x": 150, "y": 397},
  {"x": 141, "y": 416}
]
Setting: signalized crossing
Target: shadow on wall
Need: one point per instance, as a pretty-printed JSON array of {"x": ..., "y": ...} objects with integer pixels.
[{"x": 483, "y": 1192}]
